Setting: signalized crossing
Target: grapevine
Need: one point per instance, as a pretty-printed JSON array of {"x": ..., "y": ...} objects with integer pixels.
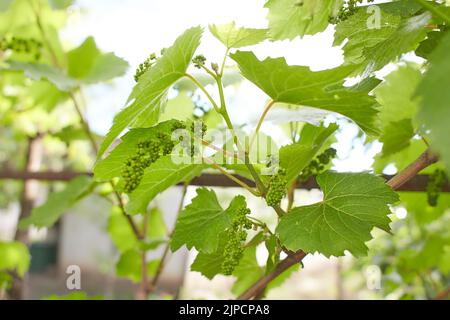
[{"x": 45, "y": 75}]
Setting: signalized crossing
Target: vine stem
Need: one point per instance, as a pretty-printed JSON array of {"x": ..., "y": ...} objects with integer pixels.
[
  {"x": 224, "y": 113},
  {"x": 144, "y": 287},
  {"x": 161, "y": 264},
  {"x": 261, "y": 120},
  {"x": 262, "y": 283},
  {"x": 424, "y": 160},
  {"x": 231, "y": 177},
  {"x": 222, "y": 68},
  {"x": 202, "y": 88},
  {"x": 251, "y": 169},
  {"x": 425, "y": 4},
  {"x": 213, "y": 147}
]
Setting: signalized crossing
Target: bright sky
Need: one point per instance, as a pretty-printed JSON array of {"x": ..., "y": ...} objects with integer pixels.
[{"x": 135, "y": 28}]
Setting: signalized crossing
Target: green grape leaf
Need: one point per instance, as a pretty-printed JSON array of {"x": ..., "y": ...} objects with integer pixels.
[
  {"x": 14, "y": 257},
  {"x": 247, "y": 272},
  {"x": 200, "y": 223},
  {"x": 434, "y": 110},
  {"x": 429, "y": 256},
  {"x": 151, "y": 115},
  {"x": 299, "y": 85},
  {"x": 180, "y": 108},
  {"x": 402, "y": 8},
  {"x": 291, "y": 18},
  {"x": 37, "y": 71},
  {"x": 273, "y": 256},
  {"x": 406, "y": 38},
  {"x": 161, "y": 175},
  {"x": 89, "y": 65},
  {"x": 396, "y": 136},
  {"x": 233, "y": 37},
  {"x": 154, "y": 83},
  {"x": 427, "y": 46},
  {"x": 374, "y": 38},
  {"x": 353, "y": 204},
  {"x": 402, "y": 158},
  {"x": 210, "y": 264},
  {"x": 156, "y": 225},
  {"x": 71, "y": 133},
  {"x": 355, "y": 29},
  {"x": 45, "y": 95},
  {"x": 57, "y": 203},
  {"x": 120, "y": 231},
  {"x": 295, "y": 157},
  {"x": 130, "y": 266},
  {"x": 416, "y": 203},
  {"x": 106, "y": 67},
  {"x": 60, "y": 4},
  {"x": 398, "y": 110}
]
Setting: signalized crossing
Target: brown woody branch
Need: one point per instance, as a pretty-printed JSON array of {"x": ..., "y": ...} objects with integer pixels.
[
  {"x": 262, "y": 283},
  {"x": 425, "y": 159},
  {"x": 416, "y": 183}
]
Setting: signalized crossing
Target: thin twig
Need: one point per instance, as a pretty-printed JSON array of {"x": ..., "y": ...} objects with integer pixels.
[
  {"x": 262, "y": 283},
  {"x": 232, "y": 177},
  {"x": 144, "y": 288},
  {"x": 261, "y": 120},
  {"x": 202, "y": 88},
  {"x": 161, "y": 264},
  {"x": 424, "y": 160},
  {"x": 84, "y": 122}
]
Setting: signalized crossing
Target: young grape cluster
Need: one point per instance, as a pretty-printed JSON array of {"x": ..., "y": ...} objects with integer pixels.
[
  {"x": 347, "y": 10},
  {"x": 236, "y": 236},
  {"x": 317, "y": 165},
  {"x": 199, "y": 61},
  {"x": 148, "y": 151},
  {"x": 277, "y": 188},
  {"x": 197, "y": 130},
  {"x": 145, "y": 66},
  {"x": 22, "y": 45},
  {"x": 434, "y": 187},
  {"x": 195, "y": 126}
]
